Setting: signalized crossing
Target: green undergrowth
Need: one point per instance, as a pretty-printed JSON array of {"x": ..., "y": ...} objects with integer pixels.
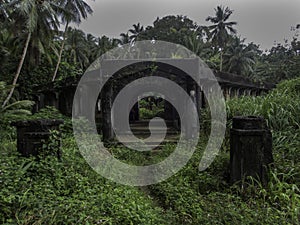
[
  {"x": 205, "y": 197},
  {"x": 281, "y": 109},
  {"x": 68, "y": 192},
  {"x": 49, "y": 191}
]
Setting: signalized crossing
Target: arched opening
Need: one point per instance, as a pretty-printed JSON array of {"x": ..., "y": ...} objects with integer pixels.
[{"x": 146, "y": 106}]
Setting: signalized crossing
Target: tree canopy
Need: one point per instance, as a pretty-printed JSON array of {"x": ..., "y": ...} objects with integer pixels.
[{"x": 38, "y": 43}]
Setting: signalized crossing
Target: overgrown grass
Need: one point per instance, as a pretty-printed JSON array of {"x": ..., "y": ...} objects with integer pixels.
[
  {"x": 70, "y": 192},
  {"x": 206, "y": 198},
  {"x": 281, "y": 107}
]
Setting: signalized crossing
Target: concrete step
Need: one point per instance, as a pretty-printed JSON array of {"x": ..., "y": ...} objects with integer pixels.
[
  {"x": 140, "y": 129},
  {"x": 153, "y": 145},
  {"x": 169, "y": 138},
  {"x": 145, "y": 123},
  {"x": 154, "y": 131},
  {"x": 146, "y": 133}
]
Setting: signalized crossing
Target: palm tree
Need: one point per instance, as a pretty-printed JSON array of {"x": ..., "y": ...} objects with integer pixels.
[
  {"x": 77, "y": 48},
  {"x": 92, "y": 45},
  {"x": 221, "y": 28},
  {"x": 135, "y": 32},
  {"x": 240, "y": 58},
  {"x": 195, "y": 43},
  {"x": 6, "y": 46},
  {"x": 124, "y": 38},
  {"x": 74, "y": 11},
  {"x": 32, "y": 14},
  {"x": 3, "y": 11},
  {"x": 17, "y": 107},
  {"x": 102, "y": 45}
]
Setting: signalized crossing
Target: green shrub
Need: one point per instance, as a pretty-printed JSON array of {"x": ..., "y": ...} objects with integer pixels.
[{"x": 49, "y": 191}]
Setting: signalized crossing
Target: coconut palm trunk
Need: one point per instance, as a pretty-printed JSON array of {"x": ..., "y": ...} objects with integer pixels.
[
  {"x": 60, "y": 52},
  {"x": 18, "y": 70}
]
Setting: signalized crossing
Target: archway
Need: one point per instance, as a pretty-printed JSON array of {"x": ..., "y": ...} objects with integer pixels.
[{"x": 150, "y": 106}]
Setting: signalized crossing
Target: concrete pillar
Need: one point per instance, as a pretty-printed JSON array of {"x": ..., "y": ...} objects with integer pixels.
[
  {"x": 236, "y": 93},
  {"x": 134, "y": 113},
  {"x": 244, "y": 92},
  {"x": 230, "y": 92},
  {"x": 227, "y": 96},
  {"x": 33, "y": 137},
  {"x": 254, "y": 93},
  {"x": 107, "y": 123},
  {"x": 250, "y": 148},
  {"x": 199, "y": 99},
  {"x": 249, "y": 92}
]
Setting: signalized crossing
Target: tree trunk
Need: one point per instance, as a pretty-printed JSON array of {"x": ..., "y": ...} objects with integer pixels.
[
  {"x": 18, "y": 71},
  {"x": 60, "y": 52},
  {"x": 221, "y": 60}
]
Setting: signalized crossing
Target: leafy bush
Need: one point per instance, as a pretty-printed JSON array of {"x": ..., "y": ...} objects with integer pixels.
[
  {"x": 14, "y": 109},
  {"x": 156, "y": 110},
  {"x": 149, "y": 114},
  {"x": 67, "y": 192}
]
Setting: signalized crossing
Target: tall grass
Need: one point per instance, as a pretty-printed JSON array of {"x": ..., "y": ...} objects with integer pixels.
[{"x": 280, "y": 107}]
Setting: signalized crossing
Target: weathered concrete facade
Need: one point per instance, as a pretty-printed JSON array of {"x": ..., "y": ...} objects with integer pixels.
[{"x": 62, "y": 98}]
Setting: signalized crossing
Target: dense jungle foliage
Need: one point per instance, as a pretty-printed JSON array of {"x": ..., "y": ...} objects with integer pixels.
[
  {"x": 49, "y": 191},
  {"x": 38, "y": 44}
]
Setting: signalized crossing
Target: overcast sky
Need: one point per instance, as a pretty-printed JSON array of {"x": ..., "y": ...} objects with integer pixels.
[{"x": 260, "y": 21}]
